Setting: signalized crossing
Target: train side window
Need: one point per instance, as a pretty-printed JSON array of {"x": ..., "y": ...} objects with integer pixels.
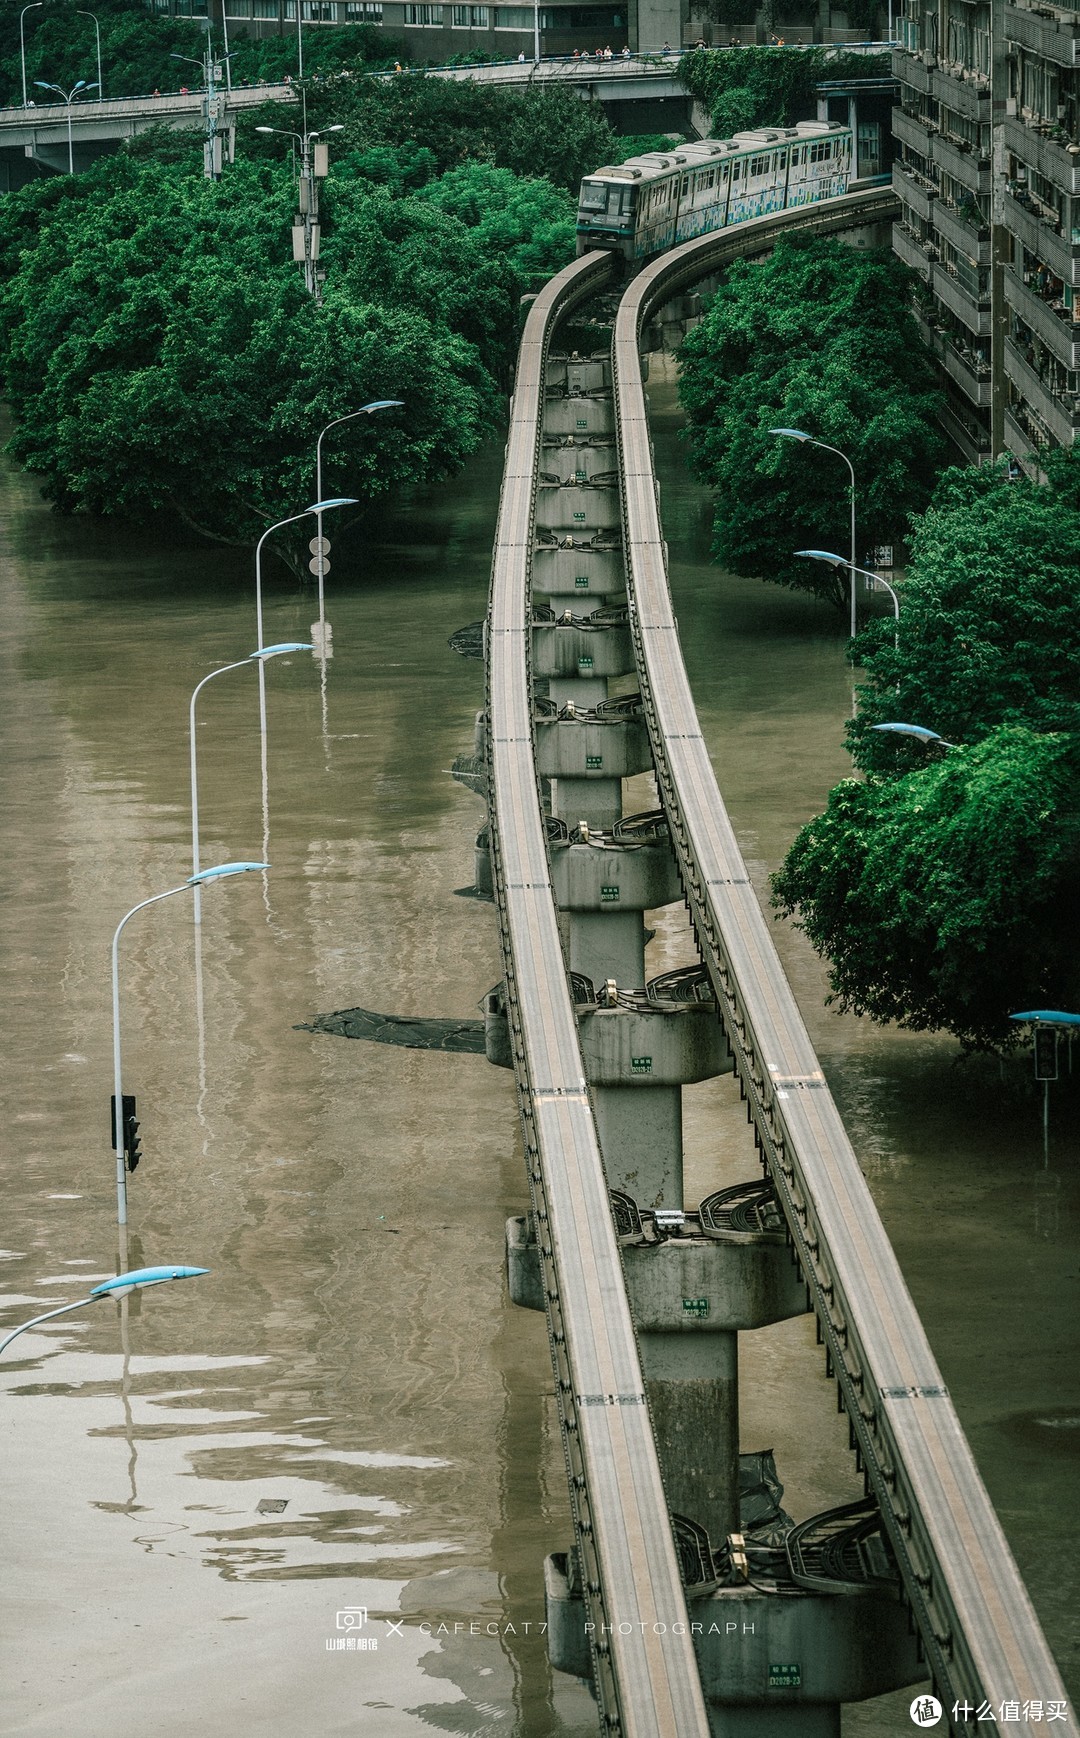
[{"x": 736, "y": 170}]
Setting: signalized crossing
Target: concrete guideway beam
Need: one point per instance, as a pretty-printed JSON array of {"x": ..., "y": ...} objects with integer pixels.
[
  {"x": 589, "y": 756},
  {"x": 576, "y": 459},
  {"x": 689, "y": 1297},
  {"x": 773, "y": 1664},
  {"x": 585, "y": 417},
  {"x": 582, "y": 508},
  {"x": 572, "y": 567}
]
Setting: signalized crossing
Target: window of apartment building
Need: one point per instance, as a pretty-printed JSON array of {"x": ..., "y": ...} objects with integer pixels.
[
  {"x": 513, "y": 18},
  {"x": 236, "y": 8},
  {"x": 320, "y": 11},
  {"x": 415, "y": 14},
  {"x": 363, "y": 11},
  {"x": 266, "y": 9},
  {"x": 471, "y": 17},
  {"x": 1038, "y": 89}
]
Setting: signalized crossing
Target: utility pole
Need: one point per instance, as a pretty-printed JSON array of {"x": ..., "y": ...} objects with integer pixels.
[{"x": 314, "y": 166}]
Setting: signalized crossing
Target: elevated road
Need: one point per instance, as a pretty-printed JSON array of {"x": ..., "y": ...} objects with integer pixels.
[{"x": 980, "y": 1637}]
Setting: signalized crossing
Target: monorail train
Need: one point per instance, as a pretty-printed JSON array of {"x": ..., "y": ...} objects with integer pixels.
[{"x": 649, "y": 203}]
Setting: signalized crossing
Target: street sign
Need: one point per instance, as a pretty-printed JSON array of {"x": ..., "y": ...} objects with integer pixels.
[
  {"x": 319, "y": 565},
  {"x": 319, "y": 546}
]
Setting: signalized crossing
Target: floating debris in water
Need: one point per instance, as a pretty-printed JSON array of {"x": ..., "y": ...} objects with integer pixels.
[{"x": 411, "y": 1033}]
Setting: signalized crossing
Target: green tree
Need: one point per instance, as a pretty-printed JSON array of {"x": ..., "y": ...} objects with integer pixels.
[
  {"x": 161, "y": 352},
  {"x": 947, "y": 897},
  {"x": 990, "y": 619},
  {"x": 768, "y": 87},
  {"x": 821, "y": 338}
]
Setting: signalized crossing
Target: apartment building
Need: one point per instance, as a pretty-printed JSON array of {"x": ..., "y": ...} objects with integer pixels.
[{"x": 987, "y": 169}]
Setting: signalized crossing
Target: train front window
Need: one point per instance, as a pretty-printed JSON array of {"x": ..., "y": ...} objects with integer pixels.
[{"x": 594, "y": 196}]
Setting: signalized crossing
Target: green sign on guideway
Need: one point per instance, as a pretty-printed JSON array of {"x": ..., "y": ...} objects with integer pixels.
[
  {"x": 695, "y": 1306},
  {"x": 784, "y": 1677}
]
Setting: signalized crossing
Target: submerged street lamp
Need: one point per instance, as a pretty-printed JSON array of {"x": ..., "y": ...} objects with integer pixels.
[
  {"x": 798, "y": 434},
  {"x": 832, "y": 560},
  {"x": 919, "y": 731},
  {"x": 264, "y": 652},
  {"x": 125, "y": 1127},
  {"x": 118, "y": 1287}
]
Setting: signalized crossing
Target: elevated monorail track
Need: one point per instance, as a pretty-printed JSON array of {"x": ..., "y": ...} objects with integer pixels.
[{"x": 979, "y": 1633}]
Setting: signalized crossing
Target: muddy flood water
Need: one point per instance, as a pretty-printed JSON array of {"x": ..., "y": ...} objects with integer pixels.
[{"x": 205, "y": 1486}]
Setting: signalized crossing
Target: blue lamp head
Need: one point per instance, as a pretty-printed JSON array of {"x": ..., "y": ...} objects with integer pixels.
[
  {"x": 792, "y": 434},
  {"x": 338, "y": 501},
  {"x": 220, "y": 870},
  {"x": 284, "y": 646},
  {"x": 125, "y": 1282},
  {"x": 825, "y": 555}
]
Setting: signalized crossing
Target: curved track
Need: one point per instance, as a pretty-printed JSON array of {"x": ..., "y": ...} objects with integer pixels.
[
  {"x": 980, "y": 1635},
  {"x": 644, "y": 1670}
]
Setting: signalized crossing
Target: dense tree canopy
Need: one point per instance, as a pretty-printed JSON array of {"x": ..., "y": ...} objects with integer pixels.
[
  {"x": 767, "y": 87},
  {"x": 948, "y": 897},
  {"x": 160, "y": 350},
  {"x": 944, "y": 889},
  {"x": 821, "y": 338},
  {"x": 990, "y": 624}
]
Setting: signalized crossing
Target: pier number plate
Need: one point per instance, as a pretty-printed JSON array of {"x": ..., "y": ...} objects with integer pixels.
[
  {"x": 609, "y": 895},
  {"x": 695, "y": 1306},
  {"x": 641, "y": 1064},
  {"x": 784, "y": 1677},
  {"x": 582, "y": 580},
  {"x": 593, "y": 762}
]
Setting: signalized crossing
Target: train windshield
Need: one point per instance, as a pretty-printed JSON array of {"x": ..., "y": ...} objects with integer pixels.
[{"x": 594, "y": 195}]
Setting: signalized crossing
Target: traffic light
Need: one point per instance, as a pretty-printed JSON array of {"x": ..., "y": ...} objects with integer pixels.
[
  {"x": 1046, "y": 1053},
  {"x": 132, "y": 1148}
]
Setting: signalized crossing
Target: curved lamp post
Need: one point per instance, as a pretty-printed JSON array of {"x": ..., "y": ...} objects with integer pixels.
[
  {"x": 258, "y": 657},
  {"x": 216, "y": 874},
  {"x": 33, "y": 6},
  {"x": 798, "y": 434},
  {"x": 118, "y": 1287},
  {"x": 832, "y": 560},
  {"x": 365, "y": 410},
  {"x": 317, "y": 507},
  {"x": 97, "y": 32},
  {"x": 69, "y": 97}
]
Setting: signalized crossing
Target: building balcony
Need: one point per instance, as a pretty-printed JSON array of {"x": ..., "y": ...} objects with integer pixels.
[
  {"x": 912, "y": 253},
  {"x": 967, "y": 432},
  {"x": 1055, "y": 326},
  {"x": 1021, "y": 438},
  {"x": 909, "y": 69},
  {"x": 962, "y": 94},
  {"x": 970, "y": 239},
  {"x": 1053, "y": 38},
  {"x": 1058, "y": 163},
  {"x": 973, "y": 380},
  {"x": 964, "y": 165},
  {"x": 1042, "y": 239},
  {"x": 912, "y": 192},
  {"x": 968, "y": 308},
  {"x": 1061, "y": 416},
  {"x": 911, "y": 132}
]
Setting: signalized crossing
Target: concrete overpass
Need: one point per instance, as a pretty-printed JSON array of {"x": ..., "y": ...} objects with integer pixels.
[{"x": 34, "y": 140}]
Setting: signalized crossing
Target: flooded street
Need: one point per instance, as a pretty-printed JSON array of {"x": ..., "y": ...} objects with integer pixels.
[{"x": 205, "y": 1485}]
